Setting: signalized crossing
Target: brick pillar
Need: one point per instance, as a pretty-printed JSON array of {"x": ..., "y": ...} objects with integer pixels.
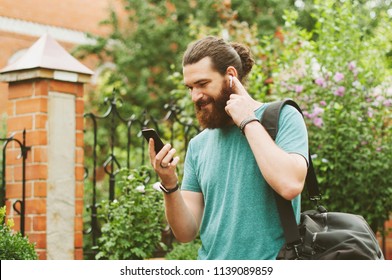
[
  {"x": 388, "y": 239},
  {"x": 46, "y": 99}
]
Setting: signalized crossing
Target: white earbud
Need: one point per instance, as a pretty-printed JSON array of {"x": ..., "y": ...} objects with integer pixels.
[{"x": 231, "y": 80}]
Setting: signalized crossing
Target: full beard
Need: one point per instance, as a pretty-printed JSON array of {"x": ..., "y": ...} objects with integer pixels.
[{"x": 216, "y": 117}]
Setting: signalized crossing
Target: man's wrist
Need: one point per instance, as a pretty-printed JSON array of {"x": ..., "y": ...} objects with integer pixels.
[
  {"x": 169, "y": 190},
  {"x": 246, "y": 121}
]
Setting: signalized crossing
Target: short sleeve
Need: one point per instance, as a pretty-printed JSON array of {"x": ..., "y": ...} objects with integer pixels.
[
  {"x": 190, "y": 181},
  {"x": 292, "y": 135}
]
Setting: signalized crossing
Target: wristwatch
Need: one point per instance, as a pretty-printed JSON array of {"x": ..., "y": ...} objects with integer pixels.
[{"x": 169, "y": 191}]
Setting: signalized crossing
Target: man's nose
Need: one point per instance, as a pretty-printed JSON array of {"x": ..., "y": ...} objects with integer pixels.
[{"x": 196, "y": 94}]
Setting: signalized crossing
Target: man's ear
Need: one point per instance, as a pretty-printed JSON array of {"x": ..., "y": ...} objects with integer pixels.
[{"x": 232, "y": 71}]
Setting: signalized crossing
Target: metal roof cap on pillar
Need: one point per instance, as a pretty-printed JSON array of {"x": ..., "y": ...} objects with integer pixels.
[{"x": 46, "y": 53}]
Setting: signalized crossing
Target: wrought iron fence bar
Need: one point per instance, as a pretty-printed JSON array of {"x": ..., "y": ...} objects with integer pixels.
[
  {"x": 94, "y": 229},
  {"x": 23, "y": 154},
  {"x": 2, "y": 191}
]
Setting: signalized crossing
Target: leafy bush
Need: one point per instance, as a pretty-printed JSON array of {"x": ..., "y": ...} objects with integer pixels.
[
  {"x": 184, "y": 251},
  {"x": 13, "y": 246},
  {"x": 134, "y": 221},
  {"x": 339, "y": 74}
]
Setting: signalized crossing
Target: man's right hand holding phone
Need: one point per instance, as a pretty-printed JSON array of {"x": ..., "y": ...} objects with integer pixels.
[{"x": 164, "y": 163}]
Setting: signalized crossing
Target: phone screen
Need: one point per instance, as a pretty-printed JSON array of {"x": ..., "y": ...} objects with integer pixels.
[{"x": 151, "y": 133}]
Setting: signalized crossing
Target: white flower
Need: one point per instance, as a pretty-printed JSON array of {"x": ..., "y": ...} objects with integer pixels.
[
  {"x": 130, "y": 177},
  {"x": 225, "y": 34},
  {"x": 141, "y": 188},
  {"x": 356, "y": 84},
  {"x": 315, "y": 68}
]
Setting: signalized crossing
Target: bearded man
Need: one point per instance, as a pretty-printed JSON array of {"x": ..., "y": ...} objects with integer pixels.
[{"x": 233, "y": 166}]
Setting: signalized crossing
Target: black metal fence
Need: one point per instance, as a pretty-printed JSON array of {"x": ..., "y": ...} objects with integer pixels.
[
  {"x": 19, "y": 204},
  {"x": 112, "y": 142}
]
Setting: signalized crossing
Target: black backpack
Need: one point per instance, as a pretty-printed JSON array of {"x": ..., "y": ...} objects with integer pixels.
[{"x": 321, "y": 235}]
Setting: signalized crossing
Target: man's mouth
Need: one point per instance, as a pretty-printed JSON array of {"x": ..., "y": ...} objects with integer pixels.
[{"x": 202, "y": 104}]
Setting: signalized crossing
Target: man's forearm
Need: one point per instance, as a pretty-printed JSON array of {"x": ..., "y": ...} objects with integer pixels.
[{"x": 180, "y": 218}]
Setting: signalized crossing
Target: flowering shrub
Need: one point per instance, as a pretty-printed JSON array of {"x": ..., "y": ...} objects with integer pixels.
[
  {"x": 134, "y": 221},
  {"x": 344, "y": 86},
  {"x": 13, "y": 246}
]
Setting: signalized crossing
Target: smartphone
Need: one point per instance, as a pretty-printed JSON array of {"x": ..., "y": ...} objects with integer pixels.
[{"x": 151, "y": 133}]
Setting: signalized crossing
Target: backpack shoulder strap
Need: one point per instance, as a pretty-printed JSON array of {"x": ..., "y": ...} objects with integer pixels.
[
  {"x": 270, "y": 118},
  {"x": 270, "y": 121}
]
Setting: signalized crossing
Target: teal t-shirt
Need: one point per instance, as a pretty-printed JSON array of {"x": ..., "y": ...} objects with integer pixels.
[{"x": 240, "y": 219}]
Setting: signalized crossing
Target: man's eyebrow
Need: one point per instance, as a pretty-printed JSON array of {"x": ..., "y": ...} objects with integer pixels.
[{"x": 198, "y": 82}]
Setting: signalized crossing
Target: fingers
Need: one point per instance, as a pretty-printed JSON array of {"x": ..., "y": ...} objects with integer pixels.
[
  {"x": 151, "y": 149},
  {"x": 238, "y": 88},
  {"x": 164, "y": 163},
  {"x": 235, "y": 100},
  {"x": 164, "y": 159},
  {"x": 239, "y": 107}
]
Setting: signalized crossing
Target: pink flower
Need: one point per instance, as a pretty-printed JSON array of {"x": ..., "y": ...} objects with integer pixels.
[
  {"x": 318, "y": 122},
  {"x": 317, "y": 111},
  {"x": 321, "y": 82},
  {"x": 352, "y": 66},
  {"x": 338, "y": 77},
  {"x": 299, "y": 88},
  {"x": 340, "y": 91},
  {"x": 323, "y": 103},
  {"x": 314, "y": 116},
  {"x": 387, "y": 102}
]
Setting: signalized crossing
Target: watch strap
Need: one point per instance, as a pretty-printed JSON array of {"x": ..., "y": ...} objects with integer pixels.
[
  {"x": 169, "y": 191},
  {"x": 247, "y": 121}
]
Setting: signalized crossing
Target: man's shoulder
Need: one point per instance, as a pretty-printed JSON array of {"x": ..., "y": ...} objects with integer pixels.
[{"x": 201, "y": 135}]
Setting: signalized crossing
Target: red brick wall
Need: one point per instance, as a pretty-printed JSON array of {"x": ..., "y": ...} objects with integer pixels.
[{"x": 73, "y": 14}]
